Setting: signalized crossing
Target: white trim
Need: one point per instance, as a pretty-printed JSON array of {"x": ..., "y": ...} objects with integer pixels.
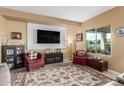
[
  {"x": 32, "y": 36},
  {"x": 114, "y": 72},
  {"x": 95, "y": 28}
]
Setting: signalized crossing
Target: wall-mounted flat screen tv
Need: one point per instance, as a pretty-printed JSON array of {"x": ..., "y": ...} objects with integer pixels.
[{"x": 47, "y": 36}]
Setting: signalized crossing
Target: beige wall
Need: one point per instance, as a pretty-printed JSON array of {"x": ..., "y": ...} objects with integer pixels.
[
  {"x": 115, "y": 18},
  {"x": 6, "y": 27},
  {"x": 70, "y": 36},
  {"x": 19, "y": 20},
  {"x": 16, "y": 26}
]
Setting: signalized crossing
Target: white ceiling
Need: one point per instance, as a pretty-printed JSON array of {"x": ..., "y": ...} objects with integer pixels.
[{"x": 73, "y": 13}]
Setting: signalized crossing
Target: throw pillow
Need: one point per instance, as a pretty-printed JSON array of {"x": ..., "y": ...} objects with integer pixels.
[
  {"x": 35, "y": 55},
  {"x": 81, "y": 53}
]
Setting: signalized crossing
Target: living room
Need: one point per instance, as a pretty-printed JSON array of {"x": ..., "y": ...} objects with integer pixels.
[{"x": 18, "y": 27}]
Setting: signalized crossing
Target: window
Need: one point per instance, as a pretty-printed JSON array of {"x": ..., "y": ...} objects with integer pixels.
[
  {"x": 91, "y": 40},
  {"x": 99, "y": 40}
]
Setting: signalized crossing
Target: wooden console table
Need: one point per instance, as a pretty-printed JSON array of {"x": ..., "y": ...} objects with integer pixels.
[
  {"x": 100, "y": 65},
  {"x": 53, "y": 58}
]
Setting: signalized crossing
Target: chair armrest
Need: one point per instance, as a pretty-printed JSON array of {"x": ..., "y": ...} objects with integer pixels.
[
  {"x": 39, "y": 55},
  {"x": 26, "y": 58}
]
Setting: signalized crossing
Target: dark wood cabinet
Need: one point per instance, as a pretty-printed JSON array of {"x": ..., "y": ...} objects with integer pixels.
[
  {"x": 13, "y": 55},
  {"x": 100, "y": 65},
  {"x": 53, "y": 58}
]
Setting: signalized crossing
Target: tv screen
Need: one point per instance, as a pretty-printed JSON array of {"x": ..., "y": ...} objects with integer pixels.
[{"x": 47, "y": 36}]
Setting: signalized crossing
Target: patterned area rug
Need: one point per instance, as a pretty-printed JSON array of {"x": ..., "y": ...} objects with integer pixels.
[{"x": 60, "y": 74}]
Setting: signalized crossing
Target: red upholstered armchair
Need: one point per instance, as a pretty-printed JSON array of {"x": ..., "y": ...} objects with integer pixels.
[
  {"x": 80, "y": 57},
  {"x": 33, "y": 60}
]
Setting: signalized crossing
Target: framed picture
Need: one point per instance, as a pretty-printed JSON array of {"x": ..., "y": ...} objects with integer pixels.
[
  {"x": 79, "y": 37},
  {"x": 16, "y": 35},
  {"x": 58, "y": 50}
]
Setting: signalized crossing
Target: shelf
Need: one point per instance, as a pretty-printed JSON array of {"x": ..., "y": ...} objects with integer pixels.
[{"x": 13, "y": 55}]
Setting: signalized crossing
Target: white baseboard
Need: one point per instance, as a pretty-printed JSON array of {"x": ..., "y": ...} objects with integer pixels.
[{"x": 114, "y": 72}]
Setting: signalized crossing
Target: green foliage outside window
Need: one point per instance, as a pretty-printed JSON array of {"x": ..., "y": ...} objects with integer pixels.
[{"x": 99, "y": 40}]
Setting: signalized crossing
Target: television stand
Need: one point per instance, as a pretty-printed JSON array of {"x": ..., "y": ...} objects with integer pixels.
[{"x": 53, "y": 58}]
